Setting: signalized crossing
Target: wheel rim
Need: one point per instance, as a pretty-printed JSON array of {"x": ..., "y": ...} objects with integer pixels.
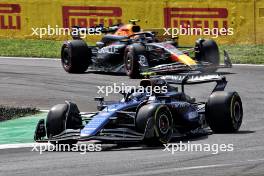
[
  {"x": 237, "y": 111},
  {"x": 164, "y": 124},
  {"x": 66, "y": 59},
  {"x": 128, "y": 63}
]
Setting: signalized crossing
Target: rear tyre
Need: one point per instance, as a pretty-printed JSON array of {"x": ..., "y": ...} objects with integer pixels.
[
  {"x": 133, "y": 54},
  {"x": 131, "y": 63},
  {"x": 224, "y": 112},
  {"x": 75, "y": 56},
  {"x": 207, "y": 51}
]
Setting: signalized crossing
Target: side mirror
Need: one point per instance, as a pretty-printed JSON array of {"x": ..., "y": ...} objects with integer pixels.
[
  {"x": 126, "y": 40},
  {"x": 101, "y": 105},
  {"x": 100, "y": 44},
  {"x": 99, "y": 99},
  {"x": 122, "y": 93}
]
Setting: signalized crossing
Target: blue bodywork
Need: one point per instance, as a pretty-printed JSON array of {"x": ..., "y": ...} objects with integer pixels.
[
  {"x": 103, "y": 117},
  {"x": 120, "y": 121}
]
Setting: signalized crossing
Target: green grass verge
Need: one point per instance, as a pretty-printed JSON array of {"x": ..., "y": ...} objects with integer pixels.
[
  {"x": 30, "y": 48},
  {"x": 20, "y": 130},
  {"x": 245, "y": 54},
  {"x": 253, "y": 54},
  {"x": 7, "y": 112}
]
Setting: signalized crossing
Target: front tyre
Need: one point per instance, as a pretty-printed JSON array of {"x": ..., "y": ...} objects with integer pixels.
[
  {"x": 162, "y": 122},
  {"x": 75, "y": 56},
  {"x": 224, "y": 112},
  {"x": 57, "y": 122}
]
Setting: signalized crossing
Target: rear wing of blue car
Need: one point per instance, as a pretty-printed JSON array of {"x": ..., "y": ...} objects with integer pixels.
[{"x": 196, "y": 79}]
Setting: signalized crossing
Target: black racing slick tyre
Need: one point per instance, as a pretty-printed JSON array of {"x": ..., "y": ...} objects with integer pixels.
[
  {"x": 131, "y": 60},
  {"x": 224, "y": 112},
  {"x": 75, "y": 56},
  {"x": 56, "y": 123},
  {"x": 207, "y": 51},
  {"x": 162, "y": 123}
]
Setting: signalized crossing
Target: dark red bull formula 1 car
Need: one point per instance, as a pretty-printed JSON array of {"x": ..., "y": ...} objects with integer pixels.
[{"x": 125, "y": 48}]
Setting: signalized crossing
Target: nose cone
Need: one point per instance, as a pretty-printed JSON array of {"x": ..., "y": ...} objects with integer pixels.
[
  {"x": 96, "y": 124},
  {"x": 87, "y": 132}
]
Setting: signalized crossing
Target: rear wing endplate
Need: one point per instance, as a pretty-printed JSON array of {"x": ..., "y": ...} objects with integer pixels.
[{"x": 197, "y": 79}]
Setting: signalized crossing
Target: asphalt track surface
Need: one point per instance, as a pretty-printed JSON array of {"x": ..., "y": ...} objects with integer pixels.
[{"x": 43, "y": 83}]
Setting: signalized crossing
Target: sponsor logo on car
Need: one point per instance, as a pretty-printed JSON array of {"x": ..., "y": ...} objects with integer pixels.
[
  {"x": 88, "y": 16},
  {"x": 10, "y": 17}
]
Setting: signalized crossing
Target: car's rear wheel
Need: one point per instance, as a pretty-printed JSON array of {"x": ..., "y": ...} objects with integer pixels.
[
  {"x": 131, "y": 63},
  {"x": 75, "y": 56},
  {"x": 224, "y": 112},
  {"x": 207, "y": 51}
]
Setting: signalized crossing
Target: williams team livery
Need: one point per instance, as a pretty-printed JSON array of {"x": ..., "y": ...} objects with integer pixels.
[{"x": 151, "y": 118}]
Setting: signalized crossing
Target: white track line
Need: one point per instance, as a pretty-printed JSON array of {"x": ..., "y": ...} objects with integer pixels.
[
  {"x": 21, "y": 145},
  {"x": 30, "y": 58},
  {"x": 58, "y": 59},
  {"x": 174, "y": 170},
  {"x": 44, "y": 110},
  {"x": 155, "y": 171},
  {"x": 250, "y": 65}
]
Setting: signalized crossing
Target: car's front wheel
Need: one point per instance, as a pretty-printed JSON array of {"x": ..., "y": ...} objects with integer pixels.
[
  {"x": 60, "y": 118},
  {"x": 160, "y": 118},
  {"x": 163, "y": 124}
]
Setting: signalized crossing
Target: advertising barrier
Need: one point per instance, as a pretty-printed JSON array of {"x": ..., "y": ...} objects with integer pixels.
[{"x": 232, "y": 22}]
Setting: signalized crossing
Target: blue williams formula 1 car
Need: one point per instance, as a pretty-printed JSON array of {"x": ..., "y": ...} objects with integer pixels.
[{"x": 146, "y": 116}]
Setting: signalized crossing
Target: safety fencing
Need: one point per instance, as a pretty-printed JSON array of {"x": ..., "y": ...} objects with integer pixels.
[{"x": 232, "y": 22}]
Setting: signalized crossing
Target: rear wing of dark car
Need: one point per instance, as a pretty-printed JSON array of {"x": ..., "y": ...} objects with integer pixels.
[{"x": 196, "y": 79}]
